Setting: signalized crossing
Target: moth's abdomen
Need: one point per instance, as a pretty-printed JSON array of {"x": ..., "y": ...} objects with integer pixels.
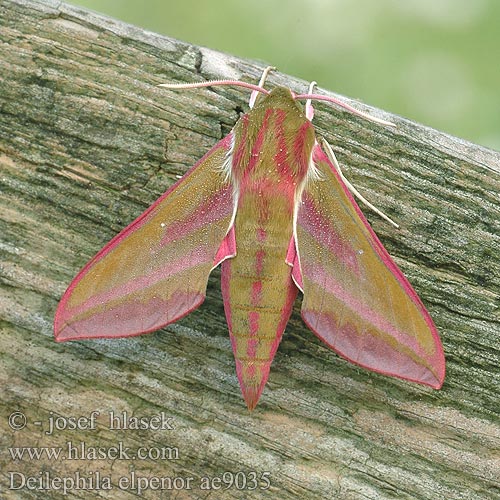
[{"x": 257, "y": 286}]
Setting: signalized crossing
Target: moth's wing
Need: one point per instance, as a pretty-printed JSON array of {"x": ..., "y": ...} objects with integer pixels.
[
  {"x": 355, "y": 298},
  {"x": 156, "y": 270}
]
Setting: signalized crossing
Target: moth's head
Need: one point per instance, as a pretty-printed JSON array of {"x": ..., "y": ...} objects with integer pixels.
[{"x": 279, "y": 98}]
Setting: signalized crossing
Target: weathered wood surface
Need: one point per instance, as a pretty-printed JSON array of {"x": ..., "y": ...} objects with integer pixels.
[{"x": 87, "y": 142}]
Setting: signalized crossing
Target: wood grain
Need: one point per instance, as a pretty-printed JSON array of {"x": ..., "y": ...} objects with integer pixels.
[{"x": 87, "y": 142}]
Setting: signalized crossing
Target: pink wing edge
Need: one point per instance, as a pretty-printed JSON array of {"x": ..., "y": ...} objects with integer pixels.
[
  {"x": 293, "y": 260},
  {"x": 226, "y": 250}
]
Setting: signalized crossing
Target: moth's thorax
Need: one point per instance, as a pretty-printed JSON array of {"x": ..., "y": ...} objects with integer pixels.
[{"x": 273, "y": 142}]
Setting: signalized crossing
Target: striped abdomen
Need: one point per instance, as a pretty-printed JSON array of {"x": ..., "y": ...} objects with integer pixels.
[{"x": 257, "y": 287}]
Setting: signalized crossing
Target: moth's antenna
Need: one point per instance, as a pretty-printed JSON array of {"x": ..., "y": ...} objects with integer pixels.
[
  {"x": 344, "y": 105},
  {"x": 214, "y": 83},
  {"x": 259, "y": 89}
]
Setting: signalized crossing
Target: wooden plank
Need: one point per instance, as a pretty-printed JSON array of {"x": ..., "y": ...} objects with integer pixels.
[{"x": 87, "y": 142}]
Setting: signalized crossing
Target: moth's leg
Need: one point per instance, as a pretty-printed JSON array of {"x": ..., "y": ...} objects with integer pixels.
[
  {"x": 255, "y": 93},
  {"x": 309, "y": 106},
  {"x": 331, "y": 155}
]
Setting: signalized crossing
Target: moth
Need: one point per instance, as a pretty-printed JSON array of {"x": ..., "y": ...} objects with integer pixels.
[{"x": 269, "y": 204}]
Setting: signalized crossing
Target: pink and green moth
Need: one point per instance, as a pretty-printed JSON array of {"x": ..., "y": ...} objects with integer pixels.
[{"x": 269, "y": 204}]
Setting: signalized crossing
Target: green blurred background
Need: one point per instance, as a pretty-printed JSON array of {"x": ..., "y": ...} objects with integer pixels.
[{"x": 433, "y": 61}]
